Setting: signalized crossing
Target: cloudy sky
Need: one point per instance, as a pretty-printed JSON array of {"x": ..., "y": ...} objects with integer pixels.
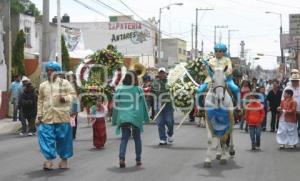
[{"x": 259, "y": 30}]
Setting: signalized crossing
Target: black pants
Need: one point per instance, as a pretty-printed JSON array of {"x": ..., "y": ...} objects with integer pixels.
[
  {"x": 75, "y": 128},
  {"x": 274, "y": 120}
]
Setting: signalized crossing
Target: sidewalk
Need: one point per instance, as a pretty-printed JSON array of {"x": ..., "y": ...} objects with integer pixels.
[{"x": 7, "y": 126}]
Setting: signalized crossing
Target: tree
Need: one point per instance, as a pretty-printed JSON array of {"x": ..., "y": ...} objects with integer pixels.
[
  {"x": 64, "y": 55},
  {"x": 18, "y": 55},
  {"x": 25, "y": 7}
]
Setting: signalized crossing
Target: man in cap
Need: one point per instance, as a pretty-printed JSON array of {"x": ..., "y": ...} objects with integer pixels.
[
  {"x": 295, "y": 87},
  {"x": 53, "y": 117},
  {"x": 163, "y": 104}
]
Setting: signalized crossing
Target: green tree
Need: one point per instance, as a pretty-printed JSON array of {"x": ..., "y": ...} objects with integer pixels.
[
  {"x": 25, "y": 7},
  {"x": 65, "y": 55},
  {"x": 18, "y": 55}
]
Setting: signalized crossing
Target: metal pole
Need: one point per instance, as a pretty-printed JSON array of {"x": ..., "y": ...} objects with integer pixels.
[
  {"x": 297, "y": 55},
  {"x": 215, "y": 36},
  {"x": 196, "y": 35},
  {"x": 59, "y": 58},
  {"x": 281, "y": 49},
  {"x": 202, "y": 48},
  {"x": 229, "y": 43},
  {"x": 192, "y": 51},
  {"x": 45, "y": 37},
  {"x": 159, "y": 37}
]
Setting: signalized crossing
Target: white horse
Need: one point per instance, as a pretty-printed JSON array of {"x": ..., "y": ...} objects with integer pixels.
[{"x": 219, "y": 118}]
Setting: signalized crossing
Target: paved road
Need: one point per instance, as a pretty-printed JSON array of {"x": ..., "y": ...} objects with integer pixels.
[{"x": 20, "y": 159}]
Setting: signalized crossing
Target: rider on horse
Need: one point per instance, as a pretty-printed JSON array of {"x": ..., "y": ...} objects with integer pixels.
[{"x": 220, "y": 61}]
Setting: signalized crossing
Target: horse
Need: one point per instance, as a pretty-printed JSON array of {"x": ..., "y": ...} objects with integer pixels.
[{"x": 219, "y": 116}]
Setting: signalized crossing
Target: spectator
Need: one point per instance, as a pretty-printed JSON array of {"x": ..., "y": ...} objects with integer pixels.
[
  {"x": 28, "y": 105},
  {"x": 245, "y": 89},
  {"x": 264, "y": 102},
  {"x": 14, "y": 94},
  {"x": 287, "y": 131},
  {"x": 274, "y": 98}
]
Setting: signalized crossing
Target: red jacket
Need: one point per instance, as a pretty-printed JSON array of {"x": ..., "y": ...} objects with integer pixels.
[{"x": 254, "y": 113}]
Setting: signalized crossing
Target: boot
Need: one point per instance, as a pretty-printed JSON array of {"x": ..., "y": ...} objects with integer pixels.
[
  {"x": 63, "y": 164},
  {"x": 48, "y": 165}
]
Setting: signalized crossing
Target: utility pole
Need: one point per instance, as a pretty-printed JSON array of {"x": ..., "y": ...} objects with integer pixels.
[
  {"x": 196, "y": 32},
  {"x": 45, "y": 37},
  {"x": 5, "y": 14},
  {"x": 229, "y": 41},
  {"x": 297, "y": 54},
  {"x": 215, "y": 32},
  {"x": 59, "y": 58},
  {"x": 202, "y": 48},
  {"x": 192, "y": 35}
]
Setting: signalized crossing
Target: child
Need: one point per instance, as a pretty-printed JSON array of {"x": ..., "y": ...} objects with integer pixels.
[
  {"x": 129, "y": 114},
  {"x": 254, "y": 116},
  {"x": 99, "y": 112},
  {"x": 287, "y": 130}
]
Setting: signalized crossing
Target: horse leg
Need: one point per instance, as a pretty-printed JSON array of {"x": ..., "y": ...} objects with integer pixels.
[
  {"x": 219, "y": 149},
  {"x": 207, "y": 162},
  {"x": 231, "y": 146},
  {"x": 223, "y": 160}
]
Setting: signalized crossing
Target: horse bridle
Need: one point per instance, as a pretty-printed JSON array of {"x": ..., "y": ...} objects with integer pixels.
[{"x": 224, "y": 90}]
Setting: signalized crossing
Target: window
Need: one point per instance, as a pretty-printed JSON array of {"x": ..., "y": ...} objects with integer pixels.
[
  {"x": 179, "y": 50},
  {"x": 27, "y": 37}
]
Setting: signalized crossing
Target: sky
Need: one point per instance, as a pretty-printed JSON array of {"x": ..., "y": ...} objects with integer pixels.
[{"x": 259, "y": 30}]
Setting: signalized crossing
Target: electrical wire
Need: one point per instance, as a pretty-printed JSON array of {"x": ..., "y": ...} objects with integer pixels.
[{"x": 90, "y": 8}]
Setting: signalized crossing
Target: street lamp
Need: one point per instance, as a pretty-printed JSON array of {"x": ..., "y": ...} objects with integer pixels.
[
  {"x": 281, "y": 49},
  {"x": 196, "y": 31},
  {"x": 232, "y": 30},
  {"x": 159, "y": 26}
]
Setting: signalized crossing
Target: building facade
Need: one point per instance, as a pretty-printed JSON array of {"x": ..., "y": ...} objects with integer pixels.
[{"x": 173, "y": 52}]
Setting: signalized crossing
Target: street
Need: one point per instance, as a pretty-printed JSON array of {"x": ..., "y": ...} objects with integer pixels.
[{"x": 21, "y": 159}]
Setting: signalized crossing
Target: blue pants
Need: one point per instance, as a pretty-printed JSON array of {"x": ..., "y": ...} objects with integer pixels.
[
  {"x": 56, "y": 139},
  {"x": 255, "y": 132},
  {"x": 166, "y": 119},
  {"x": 126, "y": 133}
]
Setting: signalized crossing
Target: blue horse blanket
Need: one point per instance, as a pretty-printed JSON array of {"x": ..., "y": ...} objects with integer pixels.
[{"x": 219, "y": 121}]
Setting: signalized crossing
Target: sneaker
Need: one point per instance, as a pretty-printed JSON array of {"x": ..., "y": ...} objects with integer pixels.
[
  {"x": 170, "y": 139},
  {"x": 21, "y": 134},
  {"x": 30, "y": 134},
  {"x": 281, "y": 147},
  {"x": 291, "y": 146},
  {"x": 162, "y": 142}
]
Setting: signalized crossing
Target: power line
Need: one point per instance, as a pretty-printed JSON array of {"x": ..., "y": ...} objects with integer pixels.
[
  {"x": 90, "y": 8},
  {"x": 278, "y": 4},
  {"x": 144, "y": 23}
]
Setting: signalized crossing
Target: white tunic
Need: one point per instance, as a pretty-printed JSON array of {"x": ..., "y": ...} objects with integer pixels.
[{"x": 287, "y": 133}]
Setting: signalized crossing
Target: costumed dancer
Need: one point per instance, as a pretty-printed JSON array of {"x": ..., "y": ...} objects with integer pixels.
[
  {"x": 99, "y": 112},
  {"x": 129, "y": 114},
  {"x": 53, "y": 117},
  {"x": 287, "y": 130},
  {"x": 219, "y": 61}
]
